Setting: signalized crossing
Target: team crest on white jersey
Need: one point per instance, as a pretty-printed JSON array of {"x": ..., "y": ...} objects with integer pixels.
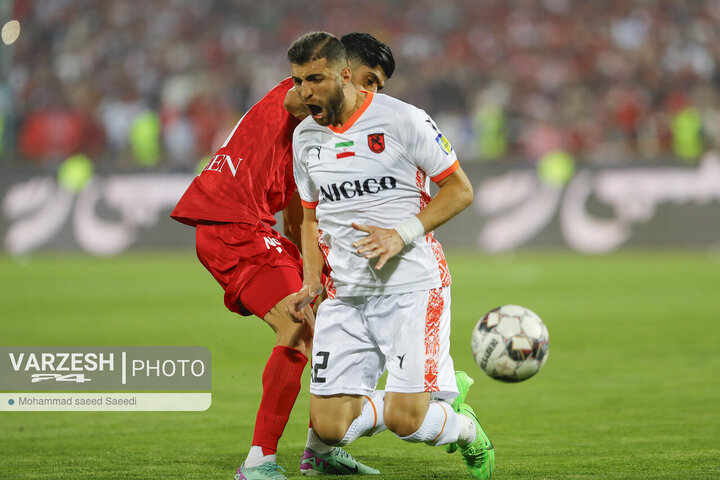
[{"x": 376, "y": 142}]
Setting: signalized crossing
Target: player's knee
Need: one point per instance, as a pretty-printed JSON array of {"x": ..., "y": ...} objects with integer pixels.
[
  {"x": 405, "y": 413},
  {"x": 330, "y": 431},
  {"x": 403, "y": 423},
  {"x": 289, "y": 333},
  {"x": 297, "y": 338}
]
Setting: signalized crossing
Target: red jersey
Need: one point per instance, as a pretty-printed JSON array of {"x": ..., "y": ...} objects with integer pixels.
[{"x": 250, "y": 178}]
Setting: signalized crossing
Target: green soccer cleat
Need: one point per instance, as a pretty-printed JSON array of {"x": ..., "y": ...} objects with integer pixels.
[
  {"x": 464, "y": 382},
  {"x": 336, "y": 462},
  {"x": 479, "y": 456},
  {"x": 266, "y": 471}
]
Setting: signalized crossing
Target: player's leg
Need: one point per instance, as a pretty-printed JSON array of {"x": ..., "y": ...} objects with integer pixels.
[
  {"x": 343, "y": 404},
  {"x": 289, "y": 333},
  {"x": 258, "y": 280},
  {"x": 405, "y": 412},
  {"x": 257, "y": 277},
  {"x": 282, "y": 375},
  {"x": 281, "y": 384},
  {"x": 328, "y": 458},
  {"x": 339, "y": 420},
  {"x": 419, "y": 362},
  {"x": 414, "y": 418},
  {"x": 464, "y": 382},
  {"x": 345, "y": 371},
  {"x": 442, "y": 425},
  {"x": 331, "y": 416}
]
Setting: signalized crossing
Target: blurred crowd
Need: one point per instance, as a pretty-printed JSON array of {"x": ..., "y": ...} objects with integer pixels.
[{"x": 160, "y": 83}]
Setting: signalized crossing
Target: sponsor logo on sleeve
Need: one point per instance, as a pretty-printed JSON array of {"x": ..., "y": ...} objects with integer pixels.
[
  {"x": 440, "y": 138},
  {"x": 444, "y": 144}
]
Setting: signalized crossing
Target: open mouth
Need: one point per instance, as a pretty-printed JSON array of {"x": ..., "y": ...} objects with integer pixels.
[{"x": 315, "y": 110}]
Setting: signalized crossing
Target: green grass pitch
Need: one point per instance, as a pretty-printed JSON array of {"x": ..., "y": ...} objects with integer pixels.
[{"x": 631, "y": 389}]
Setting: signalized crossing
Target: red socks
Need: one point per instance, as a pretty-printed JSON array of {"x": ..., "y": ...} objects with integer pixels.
[{"x": 281, "y": 385}]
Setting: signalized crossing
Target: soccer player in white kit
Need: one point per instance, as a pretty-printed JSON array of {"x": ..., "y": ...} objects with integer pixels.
[{"x": 362, "y": 165}]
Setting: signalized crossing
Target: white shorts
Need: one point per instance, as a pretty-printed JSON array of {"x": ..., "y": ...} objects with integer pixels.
[{"x": 357, "y": 338}]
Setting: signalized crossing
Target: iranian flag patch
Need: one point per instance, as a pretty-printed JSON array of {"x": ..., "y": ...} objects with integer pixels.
[{"x": 345, "y": 149}]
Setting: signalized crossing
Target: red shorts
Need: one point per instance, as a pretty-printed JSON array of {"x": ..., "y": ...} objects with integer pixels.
[{"x": 254, "y": 264}]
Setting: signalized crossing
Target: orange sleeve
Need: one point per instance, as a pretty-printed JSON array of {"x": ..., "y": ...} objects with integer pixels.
[
  {"x": 447, "y": 172},
  {"x": 308, "y": 204}
]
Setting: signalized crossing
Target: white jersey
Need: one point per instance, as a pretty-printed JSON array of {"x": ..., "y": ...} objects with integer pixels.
[{"x": 374, "y": 170}]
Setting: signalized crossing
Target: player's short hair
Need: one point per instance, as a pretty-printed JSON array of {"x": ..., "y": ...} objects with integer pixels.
[
  {"x": 317, "y": 45},
  {"x": 368, "y": 50}
]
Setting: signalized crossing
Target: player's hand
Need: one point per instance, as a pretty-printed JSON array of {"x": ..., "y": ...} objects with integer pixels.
[
  {"x": 380, "y": 242},
  {"x": 299, "y": 305},
  {"x": 295, "y": 106}
]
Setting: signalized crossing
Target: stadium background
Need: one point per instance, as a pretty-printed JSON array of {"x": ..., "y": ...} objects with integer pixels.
[
  {"x": 625, "y": 95},
  {"x": 586, "y": 128}
]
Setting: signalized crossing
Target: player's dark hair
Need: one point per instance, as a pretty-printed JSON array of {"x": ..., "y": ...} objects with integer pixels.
[
  {"x": 317, "y": 45},
  {"x": 368, "y": 50}
]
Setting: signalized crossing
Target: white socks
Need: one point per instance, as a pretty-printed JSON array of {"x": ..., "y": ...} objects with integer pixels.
[
  {"x": 370, "y": 421},
  {"x": 467, "y": 433},
  {"x": 443, "y": 425},
  {"x": 315, "y": 444},
  {"x": 255, "y": 457}
]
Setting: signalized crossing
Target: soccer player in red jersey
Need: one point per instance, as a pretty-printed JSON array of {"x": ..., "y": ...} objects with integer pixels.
[{"x": 232, "y": 204}]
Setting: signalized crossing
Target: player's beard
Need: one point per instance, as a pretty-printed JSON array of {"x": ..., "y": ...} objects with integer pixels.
[{"x": 333, "y": 108}]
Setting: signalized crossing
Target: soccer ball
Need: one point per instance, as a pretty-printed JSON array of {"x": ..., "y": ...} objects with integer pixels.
[{"x": 510, "y": 343}]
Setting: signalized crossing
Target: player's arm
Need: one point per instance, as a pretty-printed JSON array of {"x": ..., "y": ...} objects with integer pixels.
[
  {"x": 454, "y": 195},
  {"x": 295, "y": 106},
  {"x": 313, "y": 263},
  {"x": 292, "y": 216}
]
